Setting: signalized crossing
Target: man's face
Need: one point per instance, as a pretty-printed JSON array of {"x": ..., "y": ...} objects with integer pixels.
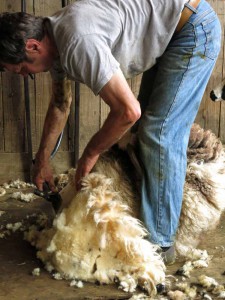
[
  {"x": 39, "y": 58},
  {"x": 32, "y": 66}
]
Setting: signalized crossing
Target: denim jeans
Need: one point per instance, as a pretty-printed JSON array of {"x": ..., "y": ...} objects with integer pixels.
[{"x": 170, "y": 95}]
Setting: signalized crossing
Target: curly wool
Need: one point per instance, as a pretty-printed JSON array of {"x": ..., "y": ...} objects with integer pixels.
[
  {"x": 97, "y": 234},
  {"x": 96, "y": 237},
  {"x": 204, "y": 190},
  {"x": 203, "y": 145}
]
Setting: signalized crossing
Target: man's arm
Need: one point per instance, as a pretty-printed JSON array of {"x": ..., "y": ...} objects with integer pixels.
[
  {"x": 55, "y": 121},
  {"x": 124, "y": 112}
]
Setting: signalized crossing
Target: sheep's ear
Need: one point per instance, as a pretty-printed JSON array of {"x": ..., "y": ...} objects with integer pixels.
[{"x": 223, "y": 93}]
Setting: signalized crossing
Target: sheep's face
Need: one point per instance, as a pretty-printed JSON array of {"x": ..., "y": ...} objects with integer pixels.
[{"x": 218, "y": 93}]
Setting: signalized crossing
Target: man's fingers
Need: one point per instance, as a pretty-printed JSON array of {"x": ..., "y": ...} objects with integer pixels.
[
  {"x": 78, "y": 185},
  {"x": 52, "y": 186},
  {"x": 39, "y": 185}
]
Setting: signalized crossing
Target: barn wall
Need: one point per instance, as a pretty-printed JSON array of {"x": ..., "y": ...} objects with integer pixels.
[{"x": 14, "y": 158}]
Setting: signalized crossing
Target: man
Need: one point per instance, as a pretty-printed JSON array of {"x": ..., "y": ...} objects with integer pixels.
[{"x": 100, "y": 43}]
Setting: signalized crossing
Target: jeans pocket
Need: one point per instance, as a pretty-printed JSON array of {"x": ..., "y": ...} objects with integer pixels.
[{"x": 212, "y": 30}]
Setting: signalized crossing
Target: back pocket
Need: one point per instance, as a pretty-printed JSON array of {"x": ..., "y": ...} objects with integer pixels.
[{"x": 212, "y": 31}]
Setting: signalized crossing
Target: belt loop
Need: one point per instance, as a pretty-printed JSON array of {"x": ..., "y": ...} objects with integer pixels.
[{"x": 191, "y": 7}]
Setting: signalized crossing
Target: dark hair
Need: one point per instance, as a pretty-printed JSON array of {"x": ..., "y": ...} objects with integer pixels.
[{"x": 15, "y": 29}]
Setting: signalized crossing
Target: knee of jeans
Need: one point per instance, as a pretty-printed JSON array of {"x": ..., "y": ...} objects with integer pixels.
[
  {"x": 144, "y": 133},
  {"x": 148, "y": 136}
]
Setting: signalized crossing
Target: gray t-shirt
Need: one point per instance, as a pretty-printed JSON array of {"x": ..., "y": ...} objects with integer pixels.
[{"x": 97, "y": 37}]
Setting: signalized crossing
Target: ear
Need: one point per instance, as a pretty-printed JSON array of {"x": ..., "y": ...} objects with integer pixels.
[{"x": 32, "y": 46}]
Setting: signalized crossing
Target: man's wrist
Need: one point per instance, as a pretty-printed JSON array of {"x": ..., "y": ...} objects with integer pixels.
[{"x": 42, "y": 157}]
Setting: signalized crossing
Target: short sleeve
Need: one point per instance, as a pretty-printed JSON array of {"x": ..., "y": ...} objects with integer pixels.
[{"x": 89, "y": 60}]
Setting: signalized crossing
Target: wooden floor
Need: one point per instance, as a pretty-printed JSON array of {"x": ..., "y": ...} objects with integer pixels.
[{"x": 18, "y": 259}]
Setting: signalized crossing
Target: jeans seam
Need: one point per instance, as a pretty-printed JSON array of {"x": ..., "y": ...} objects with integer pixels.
[{"x": 161, "y": 159}]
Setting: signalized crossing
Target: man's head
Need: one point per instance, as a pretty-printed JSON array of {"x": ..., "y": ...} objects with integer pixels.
[{"x": 23, "y": 46}]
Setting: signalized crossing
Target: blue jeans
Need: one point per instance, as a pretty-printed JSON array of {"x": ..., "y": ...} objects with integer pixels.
[{"x": 170, "y": 95}]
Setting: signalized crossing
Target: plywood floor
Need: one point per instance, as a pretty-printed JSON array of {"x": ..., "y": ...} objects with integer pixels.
[{"x": 18, "y": 259}]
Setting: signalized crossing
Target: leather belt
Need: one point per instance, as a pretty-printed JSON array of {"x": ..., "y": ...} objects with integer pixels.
[{"x": 186, "y": 13}]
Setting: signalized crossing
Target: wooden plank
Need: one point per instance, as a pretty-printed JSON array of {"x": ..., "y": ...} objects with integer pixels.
[
  {"x": 13, "y": 106},
  {"x": 17, "y": 165},
  {"x": 1, "y": 117},
  {"x": 209, "y": 114},
  {"x": 89, "y": 116},
  {"x": 42, "y": 85},
  {"x": 10, "y": 5},
  {"x": 104, "y": 111},
  {"x": 14, "y": 118},
  {"x": 212, "y": 112},
  {"x": 93, "y": 110},
  {"x": 134, "y": 84},
  {"x": 222, "y": 62}
]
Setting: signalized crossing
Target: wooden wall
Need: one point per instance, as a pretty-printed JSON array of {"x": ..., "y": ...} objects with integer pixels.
[
  {"x": 212, "y": 115},
  {"x": 14, "y": 159}
]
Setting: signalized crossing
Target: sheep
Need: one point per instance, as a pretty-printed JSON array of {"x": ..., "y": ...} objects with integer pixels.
[
  {"x": 204, "y": 190},
  {"x": 218, "y": 93},
  {"x": 97, "y": 234}
]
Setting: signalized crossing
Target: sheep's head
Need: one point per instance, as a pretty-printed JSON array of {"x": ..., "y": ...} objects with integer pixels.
[{"x": 218, "y": 93}]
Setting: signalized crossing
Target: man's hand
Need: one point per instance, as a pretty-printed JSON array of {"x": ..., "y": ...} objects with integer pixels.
[
  {"x": 85, "y": 165},
  {"x": 56, "y": 117},
  {"x": 124, "y": 112},
  {"x": 42, "y": 173}
]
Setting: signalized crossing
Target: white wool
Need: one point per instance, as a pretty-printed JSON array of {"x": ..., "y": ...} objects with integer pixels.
[
  {"x": 61, "y": 180},
  {"x": 176, "y": 295},
  {"x": 57, "y": 276},
  {"x": 198, "y": 259},
  {"x": 36, "y": 272},
  {"x": 2, "y": 212},
  {"x": 203, "y": 203},
  {"x": 207, "y": 281},
  {"x": 31, "y": 235},
  {"x": 222, "y": 248},
  {"x": 198, "y": 254},
  {"x": 186, "y": 269},
  {"x": 2, "y": 191},
  {"x": 28, "y": 197},
  {"x": 97, "y": 235},
  {"x": 103, "y": 241},
  {"x": 6, "y": 186},
  {"x": 200, "y": 264},
  {"x": 128, "y": 284},
  {"x": 140, "y": 297},
  {"x": 218, "y": 90},
  {"x": 219, "y": 291},
  {"x": 14, "y": 227},
  {"x": 49, "y": 267},
  {"x": 221, "y": 295},
  {"x": 18, "y": 184},
  {"x": 76, "y": 283},
  {"x": 42, "y": 220},
  {"x": 206, "y": 296},
  {"x": 190, "y": 292},
  {"x": 182, "y": 286}
]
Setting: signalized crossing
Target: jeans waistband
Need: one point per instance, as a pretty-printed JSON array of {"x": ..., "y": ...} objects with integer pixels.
[{"x": 189, "y": 9}]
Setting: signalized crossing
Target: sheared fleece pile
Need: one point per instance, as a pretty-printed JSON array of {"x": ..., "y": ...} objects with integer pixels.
[
  {"x": 97, "y": 235},
  {"x": 204, "y": 190}
]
